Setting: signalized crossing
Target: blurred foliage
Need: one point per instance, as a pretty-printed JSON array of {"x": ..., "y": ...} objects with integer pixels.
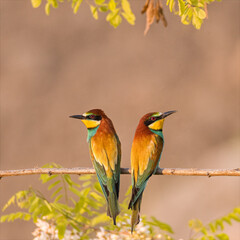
[
  {"x": 115, "y": 10},
  {"x": 214, "y": 229},
  {"x": 77, "y": 211},
  {"x": 191, "y": 11}
]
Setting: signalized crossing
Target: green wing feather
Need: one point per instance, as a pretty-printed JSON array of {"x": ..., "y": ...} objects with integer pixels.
[
  {"x": 153, "y": 161},
  {"x": 117, "y": 171},
  {"x": 110, "y": 186}
]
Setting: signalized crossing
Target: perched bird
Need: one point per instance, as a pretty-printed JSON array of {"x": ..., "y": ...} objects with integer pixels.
[
  {"x": 145, "y": 156},
  {"x": 105, "y": 152}
]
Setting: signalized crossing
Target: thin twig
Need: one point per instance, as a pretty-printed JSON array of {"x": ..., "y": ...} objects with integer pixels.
[{"x": 160, "y": 171}]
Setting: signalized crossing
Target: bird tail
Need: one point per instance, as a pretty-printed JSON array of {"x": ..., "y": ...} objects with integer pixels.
[
  {"x": 135, "y": 206},
  {"x": 113, "y": 207}
]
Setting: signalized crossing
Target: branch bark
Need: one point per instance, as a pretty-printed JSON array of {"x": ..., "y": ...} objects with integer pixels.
[{"x": 160, "y": 171}]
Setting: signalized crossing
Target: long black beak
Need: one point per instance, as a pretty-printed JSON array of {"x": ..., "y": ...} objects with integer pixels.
[
  {"x": 78, "y": 116},
  {"x": 166, "y": 114}
]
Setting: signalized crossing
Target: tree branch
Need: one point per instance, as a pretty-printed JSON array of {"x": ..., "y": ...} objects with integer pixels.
[{"x": 160, "y": 171}]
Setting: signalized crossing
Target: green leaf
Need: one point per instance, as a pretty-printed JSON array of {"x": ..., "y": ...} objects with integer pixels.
[
  {"x": 36, "y": 3},
  {"x": 116, "y": 21},
  {"x": 182, "y": 7},
  {"x": 171, "y": 4},
  {"x": 222, "y": 236},
  {"x": 212, "y": 227},
  {"x": 219, "y": 224},
  {"x": 112, "y": 5},
  {"x": 4, "y": 218},
  {"x": 36, "y": 214},
  {"x": 34, "y": 204},
  {"x": 61, "y": 230},
  {"x": 227, "y": 220},
  {"x": 93, "y": 204},
  {"x": 204, "y": 231},
  {"x": 79, "y": 204},
  {"x": 196, "y": 21},
  {"x": 114, "y": 18},
  {"x": 45, "y": 177},
  {"x": 10, "y": 201},
  {"x": 85, "y": 192},
  {"x": 75, "y": 227},
  {"x": 185, "y": 19},
  {"x": 103, "y": 8},
  {"x": 54, "y": 3},
  {"x": 162, "y": 226},
  {"x": 73, "y": 3},
  {"x": 127, "y": 14},
  {"x": 69, "y": 181},
  {"x": 234, "y": 217},
  {"x": 126, "y": 6},
  {"x": 27, "y": 217},
  {"x": 56, "y": 192},
  {"x": 99, "y": 2},
  {"x": 48, "y": 205},
  {"x": 12, "y": 217},
  {"x": 82, "y": 219},
  {"x": 86, "y": 184},
  {"x": 100, "y": 219},
  {"x": 96, "y": 196},
  {"x": 57, "y": 198},
  {"x": 97, "y": 187},
  {"x": 211, "y": 237},
  {"x": 200, "y": 13},
  {"x": 94, "y": 12},
  {"x": 75, "y": 191},
  {"x": 129, "y": 191},
  {"x": 237, "y": 210},
  {"x": 130, "y": 18},
  {"x": 85, "y": 177},
  {"x": 195, "y": 224},
  {"x": 77, "y": 5},
  {"x": 193, "y": 2},
  {"x": 53, "y": 184}
]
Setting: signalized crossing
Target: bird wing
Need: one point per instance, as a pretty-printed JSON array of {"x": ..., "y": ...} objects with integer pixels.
[
  {"x": 106, "y": 155},
  {"x": 145, "y": 157}
]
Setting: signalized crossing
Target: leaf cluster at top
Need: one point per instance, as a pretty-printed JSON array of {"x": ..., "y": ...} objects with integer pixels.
[{"x": 190, "y": 11}]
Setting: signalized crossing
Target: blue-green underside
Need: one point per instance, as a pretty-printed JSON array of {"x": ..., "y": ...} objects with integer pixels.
[
  {"x": 91, "y": 132},
  {"x": 158, "y": 132}
]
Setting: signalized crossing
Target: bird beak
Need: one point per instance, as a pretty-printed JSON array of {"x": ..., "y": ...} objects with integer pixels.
[
  {"x": 78, "y": 116},
  {"x": 166, "y": 114}
]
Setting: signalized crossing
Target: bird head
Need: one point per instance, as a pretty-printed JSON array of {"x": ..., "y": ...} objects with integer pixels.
[
  {"x": 154, "y": 121},
  {"x": 91, "y": 119}
]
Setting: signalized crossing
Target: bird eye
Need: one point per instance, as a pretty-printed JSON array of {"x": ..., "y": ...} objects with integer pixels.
[
  {"x": 91, "y": 116},
  {"x": 153, "y": 118}
]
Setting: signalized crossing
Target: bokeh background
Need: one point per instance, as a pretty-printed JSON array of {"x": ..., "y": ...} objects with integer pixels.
[{"x": 64, "y": 64}]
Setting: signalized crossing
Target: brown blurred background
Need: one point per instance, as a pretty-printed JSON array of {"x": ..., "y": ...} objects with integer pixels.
[{"x": 64, "y": 64}]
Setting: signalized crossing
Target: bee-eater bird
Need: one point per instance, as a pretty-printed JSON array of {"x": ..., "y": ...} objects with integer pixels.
[
  {"x": 105, "y": 152},
  {"x": 145, "y": 156}
]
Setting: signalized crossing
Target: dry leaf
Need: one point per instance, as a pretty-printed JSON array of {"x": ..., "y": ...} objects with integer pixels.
[
  {"x": 157, "y": 12},
  {"x": 150, "y": 16},
  {"x": 153, "y": 9},
  {"x": 161, "y": 14},
  {"x": 145, "y": 7}
]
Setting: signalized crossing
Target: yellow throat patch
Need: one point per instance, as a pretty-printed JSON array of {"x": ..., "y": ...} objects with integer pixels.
[
  {"x": 90, "y": 123},
  {"x": 157, "y": 125}
]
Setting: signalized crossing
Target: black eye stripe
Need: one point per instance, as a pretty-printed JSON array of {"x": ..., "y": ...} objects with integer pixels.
[
  {"x": 152, "y": 120},
  {"x": 94, "y": 117}
]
